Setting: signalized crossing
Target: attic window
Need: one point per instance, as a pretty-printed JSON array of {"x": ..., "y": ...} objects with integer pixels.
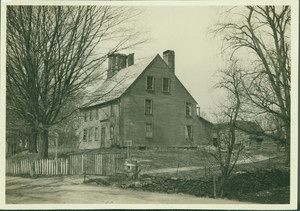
[
  {"x": 188, "y": 109},
  {"x": 166, "y": 85},
  {"x": 150, "y": 83}
]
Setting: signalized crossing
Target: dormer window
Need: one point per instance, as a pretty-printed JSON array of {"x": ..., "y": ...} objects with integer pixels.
[
  {"x": 150, "y": 83},
  {"x": 188, "y": 109},
  {"x": 166, "y": 85}
]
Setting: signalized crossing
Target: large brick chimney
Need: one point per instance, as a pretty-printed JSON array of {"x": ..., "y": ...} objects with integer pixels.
[
  {"x": 169, "y": 57},
  {"x": 117, "y": 61}
]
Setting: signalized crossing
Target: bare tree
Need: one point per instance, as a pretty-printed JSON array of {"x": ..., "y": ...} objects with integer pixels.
[
  {"x": 53, "y": 53},
  {"x": 227, "y": 149},
  {"x": 265, "y": 32}
]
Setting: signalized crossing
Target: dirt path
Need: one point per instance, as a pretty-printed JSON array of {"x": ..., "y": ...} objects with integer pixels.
[
  {"x": 191, "y": 168},
  {"x": 71, "y": 190}
]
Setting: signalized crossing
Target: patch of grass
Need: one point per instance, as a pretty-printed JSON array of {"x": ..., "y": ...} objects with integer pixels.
[{"x": 172, "y": 158}]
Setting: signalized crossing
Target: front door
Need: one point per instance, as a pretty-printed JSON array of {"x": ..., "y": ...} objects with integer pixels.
[{"x": 103, "y": 137}]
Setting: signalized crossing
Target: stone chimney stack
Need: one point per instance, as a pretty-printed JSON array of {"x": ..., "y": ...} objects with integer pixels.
[
  {"x": 130, "y": 59},
  {"x": 169, "y": 57},
  {"x": 116, "y": 62}
]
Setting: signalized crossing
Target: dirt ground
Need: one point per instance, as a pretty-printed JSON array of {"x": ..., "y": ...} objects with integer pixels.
[{"x": 71, "y": 190}]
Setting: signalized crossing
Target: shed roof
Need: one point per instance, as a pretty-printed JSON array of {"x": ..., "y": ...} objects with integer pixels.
[{"x": 246, "y": 126}]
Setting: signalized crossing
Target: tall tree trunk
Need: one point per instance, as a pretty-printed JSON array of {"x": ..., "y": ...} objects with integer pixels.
[
  {"x": 287, "y": 144},
  {"x": 220, "y": 188},
  {"x": 33, "y": 142},
  {"x": 43, "y": 144}
]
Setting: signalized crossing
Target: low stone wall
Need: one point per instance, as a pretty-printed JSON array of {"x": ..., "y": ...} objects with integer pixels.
[
  {"x": 199, "y": 187},
  {"x": 254, "y": 182},
  {"x": 240, "y": 186}
]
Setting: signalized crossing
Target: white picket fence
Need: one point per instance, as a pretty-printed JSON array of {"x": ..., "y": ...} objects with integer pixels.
[{"x": 101, "y": 164}]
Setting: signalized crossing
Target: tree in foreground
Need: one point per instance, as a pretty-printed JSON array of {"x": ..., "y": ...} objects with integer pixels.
[
  {"x": 53, "y": 53},
  {"x": 262, "y": 34},
  {"x": 228, "y": 148}
]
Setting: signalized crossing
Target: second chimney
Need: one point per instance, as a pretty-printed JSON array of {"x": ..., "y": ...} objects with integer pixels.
[{"x": 169, "y": 57}]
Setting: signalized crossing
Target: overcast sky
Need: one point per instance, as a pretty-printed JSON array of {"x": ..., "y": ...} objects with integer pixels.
[{"x": 197, "y": 54}]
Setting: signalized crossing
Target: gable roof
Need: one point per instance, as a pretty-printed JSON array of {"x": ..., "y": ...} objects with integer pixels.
[
  {"x": 246, "y": 126},
  {"x": 116, "y": 86}
]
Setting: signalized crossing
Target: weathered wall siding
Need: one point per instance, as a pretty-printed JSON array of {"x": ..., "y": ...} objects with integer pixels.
[
  {"x": 105, "y": 120},
  {"x": 241, "y": 137},
  {"x": 205, "y": 131},
  {"x": 168, "y": 119}
]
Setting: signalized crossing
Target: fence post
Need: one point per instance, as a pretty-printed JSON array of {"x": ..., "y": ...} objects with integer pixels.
[
  {"x": 214, "y": 183},
  {"x": 32, "y": 170},
  {"x": 68, "y": 166},
  {"x": 82, "y": 163}
]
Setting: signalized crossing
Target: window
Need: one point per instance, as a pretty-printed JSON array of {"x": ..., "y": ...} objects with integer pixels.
[
  {"x": 189, "y": 132},
  {"x": 188, "y": 109},
  {"x": 215, "y": 142},
  {"x": 149, "y": 130},
  {"x": 103, "y": 136},
  {"x": 148, "y": 106},
  {"x": 112, "y": 132},
  {"x": 96, "y": 134},
  {"x": 97, "y": 113},
  {"x": 166, "y": 85},
  {"x": 91, "y": 115},
  {"x": 85, "y": 116},
  {"x": 84, "y": 134},
  {"x": 111, "y": 110},
  {"x": 150, "y": 83},
  {"x": 91, "y": 134}
]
